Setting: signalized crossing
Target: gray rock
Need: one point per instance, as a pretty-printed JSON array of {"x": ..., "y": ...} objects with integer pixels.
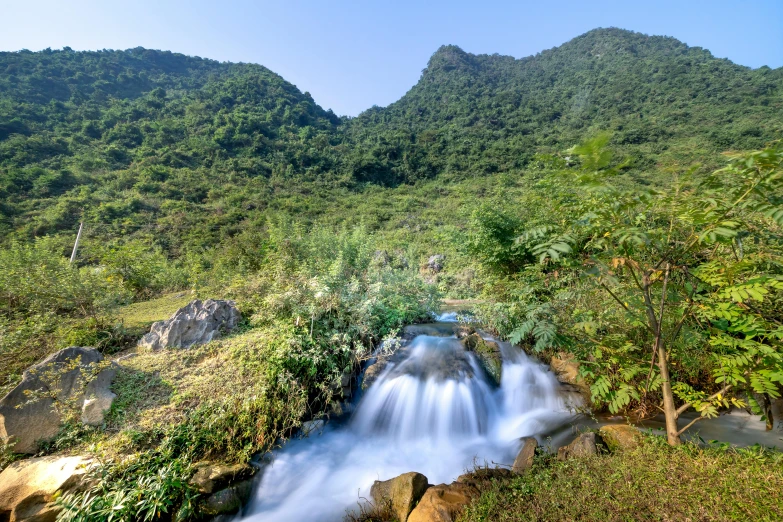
[
  {"x": 585, "y": 445},
  {"x": 63, "y": 379},
  {"x": 197, "y": 323},
  {"x": 777, "y": 414},
  {"x": 228, "y": 501},
  {"x": 313, "y": 427},
  {"x": 436, "y": 262},
  {"x": 403, "y": 491},
  {"x": 524, "y": 460}
]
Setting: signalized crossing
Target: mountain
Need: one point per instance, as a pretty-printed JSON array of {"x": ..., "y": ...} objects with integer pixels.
[
  {"x": 664, "y": 101},
  {"x": 144, "y": 140},
  {"x": 108, "y": 134}
]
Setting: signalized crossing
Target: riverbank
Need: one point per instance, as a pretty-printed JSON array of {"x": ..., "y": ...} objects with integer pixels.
[{"x": 651, "y": 482}]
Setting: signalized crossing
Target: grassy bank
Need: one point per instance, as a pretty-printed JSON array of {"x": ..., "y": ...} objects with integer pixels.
[{"x": 652, "y": 482}]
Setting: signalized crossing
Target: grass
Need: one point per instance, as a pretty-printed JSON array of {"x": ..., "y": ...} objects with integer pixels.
[
  {"x": 157, "y": 390},
  {"x": 142, "y": 315},
  {"x": 652, "y": 482}
]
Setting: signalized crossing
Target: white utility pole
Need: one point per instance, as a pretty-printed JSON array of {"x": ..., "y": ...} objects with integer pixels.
[{"x": 76, "y": 244}]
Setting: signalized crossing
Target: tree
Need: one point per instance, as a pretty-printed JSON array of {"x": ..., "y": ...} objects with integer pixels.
[{"x": 696, "y": 256}]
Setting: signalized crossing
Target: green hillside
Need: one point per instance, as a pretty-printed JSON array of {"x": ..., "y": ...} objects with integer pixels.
[
  {"x": 665, "y": 102},
  {"x": 142, "y": 135},
  {"x": 126, "y": 140}
]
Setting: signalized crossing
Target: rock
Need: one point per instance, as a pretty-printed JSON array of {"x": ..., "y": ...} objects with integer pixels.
[
  {"x": 63, "y": 379},
  {"x": 338, "y": 409},
  {"x": 524, "y": 460},
  {"x": 312, "y": 427},
  {"x": 98, "y": 397},
  {"x": 620, "y": 436},
  {"x": 381, "y": 258},
  {"x": 463, "y": 330},
  {"x": 436, "y": 262},
  {"x": 197, "y": 323},
  {"x": 777, "y": 414},
  {"x": 210, "y": 477},
  {"x": 228, "y": 501},
  {"x": 567, "y": 371},
  {"x": 474, "y": 478},
  {"x": 345, "y": 383},
  {"x": 585, "y": 445},
  {"x": 403, "y": 491},
  {"x": 443, "y": 503},
  {"x": 28, "y": 487},
  {"x": 488, "y": 353},
  {"x": 372, "y": 372}
]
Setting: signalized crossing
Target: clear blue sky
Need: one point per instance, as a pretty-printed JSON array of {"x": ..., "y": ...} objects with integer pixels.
[{"x": 352, "y": 55}]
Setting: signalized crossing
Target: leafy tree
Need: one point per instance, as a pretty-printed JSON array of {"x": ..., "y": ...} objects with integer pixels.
[{"x": 693, "y": 269}]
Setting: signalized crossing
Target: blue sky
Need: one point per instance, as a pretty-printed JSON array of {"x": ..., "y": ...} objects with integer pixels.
[{"x": 351, "y": 55}]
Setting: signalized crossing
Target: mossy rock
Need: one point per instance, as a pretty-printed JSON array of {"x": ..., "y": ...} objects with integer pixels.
[
  {"x": 620, "y": 437},
  {"x": 488, "y": 353}
]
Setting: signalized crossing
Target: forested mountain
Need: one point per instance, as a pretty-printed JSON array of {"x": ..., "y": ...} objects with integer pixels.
[
  {"x": 136, "y": 138},
  {"x": 664, "y": 101},
  {"x": 110, "y": 134}
]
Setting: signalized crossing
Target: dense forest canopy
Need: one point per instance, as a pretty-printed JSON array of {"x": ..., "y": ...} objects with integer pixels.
[{"x": 140, "y": 139}]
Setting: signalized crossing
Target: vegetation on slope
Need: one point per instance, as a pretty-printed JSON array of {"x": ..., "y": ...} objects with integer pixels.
[
  {"x": 187, "y": 173},
  {"x": 651, "y": 482}
]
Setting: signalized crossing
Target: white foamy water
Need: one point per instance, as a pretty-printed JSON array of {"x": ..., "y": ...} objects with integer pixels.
[{"x": 433, "y": 411}]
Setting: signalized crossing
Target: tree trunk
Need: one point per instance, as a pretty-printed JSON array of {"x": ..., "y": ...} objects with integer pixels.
[
  {"x": 766, "y": 409},
  {"x": 669, "y": 410}
]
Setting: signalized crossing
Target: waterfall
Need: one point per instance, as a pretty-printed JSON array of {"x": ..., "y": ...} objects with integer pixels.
[{"x": 432, "y": 410}]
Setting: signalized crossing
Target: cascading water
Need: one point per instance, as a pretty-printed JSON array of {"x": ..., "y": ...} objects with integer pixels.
[{"x": 432, "y": 410}]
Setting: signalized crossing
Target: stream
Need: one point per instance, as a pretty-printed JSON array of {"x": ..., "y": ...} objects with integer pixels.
[{"x": 433, "y": 409}]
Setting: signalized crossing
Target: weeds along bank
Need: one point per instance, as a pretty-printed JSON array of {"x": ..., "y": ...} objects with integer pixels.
[
  {"x": 652, "y": 481},
  {"x": 313, "y": 306}
]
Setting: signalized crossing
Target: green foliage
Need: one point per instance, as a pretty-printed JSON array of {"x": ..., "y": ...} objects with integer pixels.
[
  {"x": 37, "y": 279},
  {"x": 147, "y": 488},
  {"x": 690, "y": 482},
  {"x": 673, "y": 261}
]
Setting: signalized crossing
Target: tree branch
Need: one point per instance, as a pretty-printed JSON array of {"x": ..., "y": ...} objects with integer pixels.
[
  {"x": 691, "y": 423},
  {"x": 625, "y": 307},
  {"x": 684, "y": 407}
]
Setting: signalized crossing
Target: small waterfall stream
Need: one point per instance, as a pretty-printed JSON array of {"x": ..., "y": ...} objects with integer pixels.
[{"x": 432, "y": 410}]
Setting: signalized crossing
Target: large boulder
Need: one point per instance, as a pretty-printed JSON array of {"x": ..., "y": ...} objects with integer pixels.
[
  {"x": 443, "y": 503},
  {"x": 403, "y": 491},
  {"x": 524, "y": 460},
  {"x": 585, "y": 445},
  {"x": 71, "y": 378},
  {"x": 28, "y": 487},
  {"x": 197, "y": 323},
  {"x": 620, "y": 436},
  {"x": 488, "y": 354}
]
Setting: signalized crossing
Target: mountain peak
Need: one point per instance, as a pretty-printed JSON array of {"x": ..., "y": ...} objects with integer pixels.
[{"x": 450, "y": 57}]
